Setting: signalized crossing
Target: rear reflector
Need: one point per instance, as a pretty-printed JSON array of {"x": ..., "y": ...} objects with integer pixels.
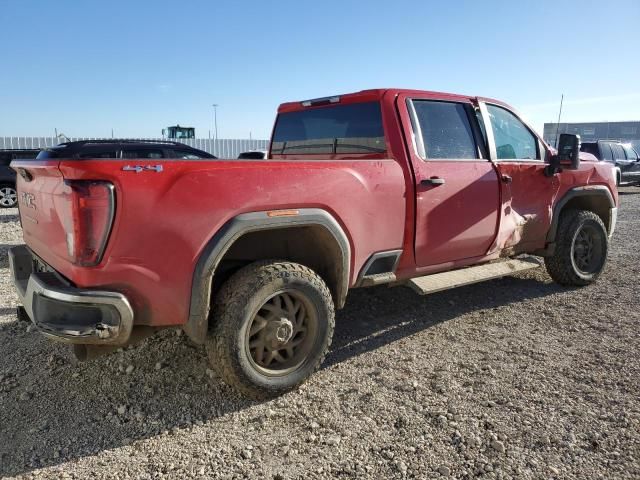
[
  {"x": 283, "y": 213},
  {"x": 91, "y": 213}
]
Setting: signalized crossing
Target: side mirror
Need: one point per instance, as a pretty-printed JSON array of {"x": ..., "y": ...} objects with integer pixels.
[{"x": 568, "y": 155}]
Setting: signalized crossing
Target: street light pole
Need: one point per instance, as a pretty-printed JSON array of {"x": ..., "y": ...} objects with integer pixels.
[{"x": 215, "y": 120}]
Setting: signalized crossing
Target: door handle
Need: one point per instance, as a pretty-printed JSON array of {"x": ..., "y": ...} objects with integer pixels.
[
  {"x": 432, "y": 181},
  {"x": 506, "y": 178}
]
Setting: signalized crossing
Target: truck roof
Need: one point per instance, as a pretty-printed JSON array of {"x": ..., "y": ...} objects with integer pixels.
[{"x": 376, "y": 94}]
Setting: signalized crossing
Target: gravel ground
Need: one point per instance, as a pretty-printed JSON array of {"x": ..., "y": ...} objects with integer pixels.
[{"x": 513, "y": 378}]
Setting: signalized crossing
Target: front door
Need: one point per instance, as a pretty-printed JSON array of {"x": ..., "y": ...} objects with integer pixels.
[
  {"x": 457, "y": 188},
  {"x": 527, "y": 194}
]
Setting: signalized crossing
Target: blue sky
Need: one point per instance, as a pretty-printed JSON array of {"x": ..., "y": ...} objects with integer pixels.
[{"x": 138, "y": 66}]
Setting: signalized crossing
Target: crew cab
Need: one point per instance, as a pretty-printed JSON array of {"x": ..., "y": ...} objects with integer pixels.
[{"x": 251, "y": 258}]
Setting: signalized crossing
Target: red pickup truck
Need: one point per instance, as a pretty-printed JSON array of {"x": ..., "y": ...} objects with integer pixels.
[{"x": 252, "y": 257}]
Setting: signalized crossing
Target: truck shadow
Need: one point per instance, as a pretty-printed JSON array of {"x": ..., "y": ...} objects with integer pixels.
[
  {"x": 629, "y": 190},
  {"x": 4, "y": 259},
  {"x": 64, "y": 410},
  {"x": 378, "y": 316},
  {"x": 9, "y": 216}
]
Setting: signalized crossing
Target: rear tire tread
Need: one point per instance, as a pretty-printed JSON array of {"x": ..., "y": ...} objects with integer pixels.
[{"x": 228, "y": 308}]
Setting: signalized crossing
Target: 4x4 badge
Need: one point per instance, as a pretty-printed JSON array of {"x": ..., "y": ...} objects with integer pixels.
[{"x": 140, "y": 168}]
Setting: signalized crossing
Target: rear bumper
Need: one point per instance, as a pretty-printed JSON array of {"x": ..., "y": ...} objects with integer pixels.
[{"x": 66, "y": 313}]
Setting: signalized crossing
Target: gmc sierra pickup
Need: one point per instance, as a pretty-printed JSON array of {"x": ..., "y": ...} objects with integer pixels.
[{"x": 252, "y": 257}]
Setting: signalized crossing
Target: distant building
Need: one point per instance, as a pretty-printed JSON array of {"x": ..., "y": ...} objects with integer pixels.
[{"x": 626, "y": 132}]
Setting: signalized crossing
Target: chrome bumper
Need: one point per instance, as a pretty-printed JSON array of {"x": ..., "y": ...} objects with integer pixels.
[{"x": 66, "y": 313}]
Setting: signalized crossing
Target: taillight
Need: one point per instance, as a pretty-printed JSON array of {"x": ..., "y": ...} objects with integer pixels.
[{"x": 92, "y": 208}]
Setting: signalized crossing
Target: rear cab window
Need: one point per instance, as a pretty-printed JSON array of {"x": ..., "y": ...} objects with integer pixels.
[{"x": 328, "y": 130}]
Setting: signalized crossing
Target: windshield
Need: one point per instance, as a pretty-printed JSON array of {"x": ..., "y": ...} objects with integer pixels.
[{"x": 355, "y": 128}]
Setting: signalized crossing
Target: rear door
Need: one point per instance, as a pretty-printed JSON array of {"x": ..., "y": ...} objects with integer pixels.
[
  {"x": 457, "y": 191},
  {"x": 526, "y": 192}
]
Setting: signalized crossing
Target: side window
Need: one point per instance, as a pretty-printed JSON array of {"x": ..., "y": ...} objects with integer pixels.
[
  {"x": 99, "y": 154},
  {"x": 618, "y": 152},
  {"x": 446, "y": 131},
  {"x": 142, "y": 153},
  {"x": 631, "y": 153},
  {"x": 605, "y": 149},
  {"x": 185, "y": 155},
  {"x": 513, "y": 139},
  {"x": 591, "y": 148}
]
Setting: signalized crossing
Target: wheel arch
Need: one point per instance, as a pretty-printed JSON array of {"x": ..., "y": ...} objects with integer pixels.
[
  {"x": 310, "y": 236},
  {"x": 595, "y": 198},
  {"x": 618, "y": 176}
]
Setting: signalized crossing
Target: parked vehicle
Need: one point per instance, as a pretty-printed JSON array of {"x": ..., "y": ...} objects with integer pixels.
[
  {"x": 254, "y": 155},
  {"x": 177, "y": 132},
  {"x": 622, "y": 155},
  {"x": 123, "y": 149},
  {"x": 425, "y": 189},
  {"x": 8, "y": 195}
]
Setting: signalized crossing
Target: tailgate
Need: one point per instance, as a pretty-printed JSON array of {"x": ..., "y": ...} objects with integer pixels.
[{"x": 40, "y": 189}]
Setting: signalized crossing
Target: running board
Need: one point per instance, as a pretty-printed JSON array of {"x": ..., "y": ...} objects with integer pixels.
[{"x": 466, "y": 276}]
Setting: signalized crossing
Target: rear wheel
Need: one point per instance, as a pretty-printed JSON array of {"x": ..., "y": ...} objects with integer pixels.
[
  {"x": 581, "y": 249},
  {"x": 8, "y": 196},
  {"x": 273, "y": 326}
]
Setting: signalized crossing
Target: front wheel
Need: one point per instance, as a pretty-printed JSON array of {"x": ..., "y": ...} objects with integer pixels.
[
  {"x": 8, "y": 196},
  {"x": 581, "y": 249},
  {"x": 273, "y": 326}
]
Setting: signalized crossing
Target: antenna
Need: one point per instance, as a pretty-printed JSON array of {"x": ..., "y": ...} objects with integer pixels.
[{"x": 558, "y": 124}]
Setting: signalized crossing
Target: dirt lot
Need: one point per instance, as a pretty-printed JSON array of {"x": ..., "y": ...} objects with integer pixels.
[{"x": 514, "y": 378}]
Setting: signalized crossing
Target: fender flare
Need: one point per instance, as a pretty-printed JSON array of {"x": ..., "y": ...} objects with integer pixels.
[
  {"x": 600, "y": 191},
  {"x": 215, "y": 249}
]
